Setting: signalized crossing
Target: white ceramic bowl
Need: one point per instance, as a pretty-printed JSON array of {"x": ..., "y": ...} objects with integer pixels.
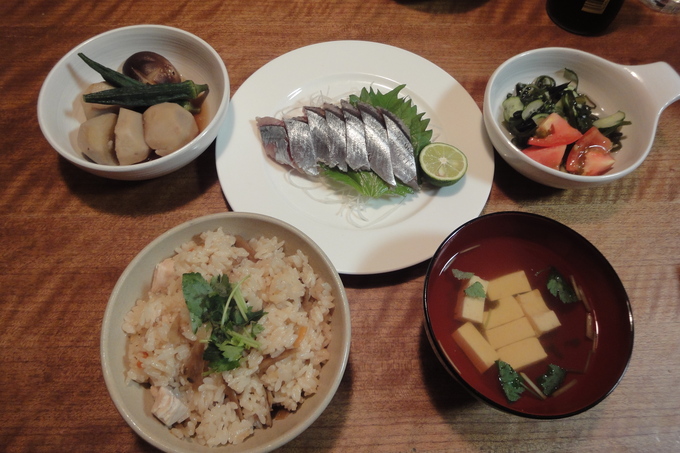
[
  {"x": 133, "y": 401},
  {"x": 642, "y": 92},
  {"x": 60, "y": 111}
]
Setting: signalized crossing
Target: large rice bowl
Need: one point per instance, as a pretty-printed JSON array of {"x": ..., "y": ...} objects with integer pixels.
[{"x": 227, "y": 407}]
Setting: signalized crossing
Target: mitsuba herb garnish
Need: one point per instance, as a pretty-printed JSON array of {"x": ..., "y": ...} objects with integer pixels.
[
  {"x": 560, "y": 287},
  {"x": 232, "y": 323},
  {"x": 474, "y": 290},
  {"x": 552, "y": 379},
  {"x": 461, "y": 275},
  {"x": 511, "y": 382}
]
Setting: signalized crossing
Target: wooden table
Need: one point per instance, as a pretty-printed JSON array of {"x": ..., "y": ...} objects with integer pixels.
[{"x": 67, "y": 235}]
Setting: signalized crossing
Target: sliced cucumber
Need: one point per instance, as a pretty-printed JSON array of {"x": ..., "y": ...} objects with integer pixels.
[
  {"x": 544, "y": 81},
  {"x": 614, "y": 120},
  {"x": 510, "y": 106},
  {"x": 531, "y": 109},
  {"x": 539, "y": 117}
]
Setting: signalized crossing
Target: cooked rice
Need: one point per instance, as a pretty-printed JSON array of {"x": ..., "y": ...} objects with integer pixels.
[{"x": 298, "y": 304}]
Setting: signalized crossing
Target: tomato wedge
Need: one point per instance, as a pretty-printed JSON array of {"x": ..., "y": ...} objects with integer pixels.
[
  {"x": 554, "y": 131},
  {"x": 550, "y": 156},
  {"x": 591, "y": 154}
]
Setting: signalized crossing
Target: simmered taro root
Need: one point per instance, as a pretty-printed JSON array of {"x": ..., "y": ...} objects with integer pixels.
[
  {"x": 151, "y": 68},
  {"x": 168, "y": 127},
  {"x": 90, "y": 109},
  {"x": 131, "y": 148},
  {"x": 96, "y": 138}
]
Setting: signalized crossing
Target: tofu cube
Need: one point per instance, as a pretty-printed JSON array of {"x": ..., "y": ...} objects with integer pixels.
[
  {"x": 544, "y": 322},
  {"x": 523, "y": 353},
  {"x": 475, "y": 346},
  {"x": 510, "y": 332},
  {"x": 508, "y": 285},
  {"x": 471, "y": 308},
  {"x": 532, "y": 303},
  {"x": 505, "y": 310}
]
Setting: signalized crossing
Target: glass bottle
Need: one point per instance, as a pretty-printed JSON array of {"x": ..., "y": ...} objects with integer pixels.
[{"x": 583, "y": 17}]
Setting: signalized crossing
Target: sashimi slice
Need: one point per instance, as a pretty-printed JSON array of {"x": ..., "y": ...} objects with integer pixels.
[
  {"x": 301, "y": 146},
  {"x": 357, "y": 156},
  {"x": 275, "y": 139},
  {"x": 316, "y": 117},
  {"x": 401, "y": 149},
  {"x": 377, "y": 144},
  {"x": 337, "y": 135}
]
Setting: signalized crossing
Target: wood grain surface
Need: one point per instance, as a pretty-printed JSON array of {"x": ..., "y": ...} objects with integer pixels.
[{"x": 68, "y": 235}]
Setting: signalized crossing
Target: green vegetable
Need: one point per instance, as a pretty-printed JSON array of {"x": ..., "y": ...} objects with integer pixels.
[
  {"x": 511, "y": 382},
  {"x": 531, "y": 101},
  {"x": 367, "y": 183},
  {"x": 402, "y": 107},
  {"x": 233, "y": 327},
  {"x": 147, "y": 95},
  {"x": 115, "y": 78},
  {"x": 552, "y": 379},
  {"x": 560, "y": 287},
  {"x": 460, "y": 275},
  {"x": 475, "y": 290}
]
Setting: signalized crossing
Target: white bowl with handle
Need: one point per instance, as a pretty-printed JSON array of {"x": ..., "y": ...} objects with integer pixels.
[{"x": 642, "y": 92}]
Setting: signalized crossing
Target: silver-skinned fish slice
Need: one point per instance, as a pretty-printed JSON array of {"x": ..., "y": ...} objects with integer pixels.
[
  {"x": 318, "y": 127},
  {"x": 275, "y": 139},
  {"x": 337, "y": 136},
  {"x": 401, "y": 149},
  {"x": 377, "y": 143},
  {"x": 357, "y": 156},
  {"x": 301, "y": 146}
]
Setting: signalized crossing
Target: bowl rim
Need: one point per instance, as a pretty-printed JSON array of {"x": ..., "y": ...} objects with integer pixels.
[
  {"x": 111, "y": 378},
  {"x": 446, "y": 361},
  {"x": 492, "y": 121},
  {"x": 214, "y": 124}
]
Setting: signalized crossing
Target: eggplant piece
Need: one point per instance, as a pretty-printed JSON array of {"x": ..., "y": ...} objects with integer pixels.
[{"x": 151, "y": 68}]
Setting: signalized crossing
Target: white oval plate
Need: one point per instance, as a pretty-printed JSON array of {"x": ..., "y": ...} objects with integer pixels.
[{"x": 386, "y": 235}]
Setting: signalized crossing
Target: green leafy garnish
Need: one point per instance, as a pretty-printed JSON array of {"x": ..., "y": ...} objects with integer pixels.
[
  {"x": 511, "y": 382},
  {"x": 552, "y": 379},
  {"x": 367, "y": 183},
  {"x": 222, "y": 308},
  {"x": 461, "y": 275},
  {"x": 475, "y": 290},
  {"x": 402, "y": 107},
  {"x": 560, "y": 287}
]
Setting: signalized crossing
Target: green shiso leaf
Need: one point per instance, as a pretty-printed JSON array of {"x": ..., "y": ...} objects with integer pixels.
[
  {"x": 366, "y": 183},
  {"x": 402, "y": 107}
]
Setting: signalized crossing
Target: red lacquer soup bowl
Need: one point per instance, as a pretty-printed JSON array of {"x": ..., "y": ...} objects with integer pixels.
[{"x": 592, "y": 344}]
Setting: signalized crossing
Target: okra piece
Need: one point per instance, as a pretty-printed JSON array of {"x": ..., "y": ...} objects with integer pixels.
[
  {"x": 146, "y": 95},
  {"x": 115, "y": 78}
]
